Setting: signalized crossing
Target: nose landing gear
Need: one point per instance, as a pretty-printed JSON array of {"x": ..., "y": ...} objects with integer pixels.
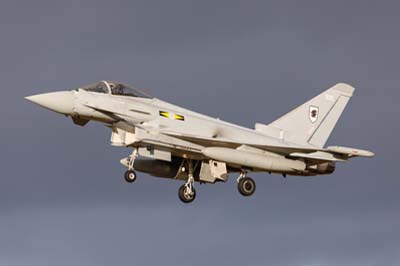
[
  {"x": 187, "y": 193},
  {"x": 130, "y": 174}
]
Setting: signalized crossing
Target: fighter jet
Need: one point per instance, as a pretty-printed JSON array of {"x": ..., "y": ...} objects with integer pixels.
[{"x": 173, "y": 142}]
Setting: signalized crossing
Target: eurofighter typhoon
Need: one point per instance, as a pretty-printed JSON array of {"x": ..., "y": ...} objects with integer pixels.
[{"x": 173, "y": 142}]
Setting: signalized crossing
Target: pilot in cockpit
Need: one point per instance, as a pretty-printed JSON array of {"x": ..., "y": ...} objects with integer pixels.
[{"x": 117, "y": 89}]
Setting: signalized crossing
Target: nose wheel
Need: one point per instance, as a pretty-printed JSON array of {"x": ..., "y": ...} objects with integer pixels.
[
  {"x": 246, "y": 185},
  {"x": 187, "y": 193}
]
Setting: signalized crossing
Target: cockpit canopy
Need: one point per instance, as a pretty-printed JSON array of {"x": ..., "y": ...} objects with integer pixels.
[{"x": 115, "y": 88}]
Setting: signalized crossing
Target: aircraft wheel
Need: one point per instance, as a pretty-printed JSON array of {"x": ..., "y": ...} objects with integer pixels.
[
  {"x": 246, "y": 186},
  {"x": 130, "y": 176},
  {"x": 185, "y": 196}
]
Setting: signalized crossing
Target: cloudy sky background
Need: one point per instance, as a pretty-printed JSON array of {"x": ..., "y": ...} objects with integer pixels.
[{"x": 63, "y": 200}]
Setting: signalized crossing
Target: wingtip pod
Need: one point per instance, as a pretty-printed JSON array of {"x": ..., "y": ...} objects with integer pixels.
[
  {"x": 344, "y": 88},
  {"x": 351, "y": 152},
  {"x": 370, "y": 154}
]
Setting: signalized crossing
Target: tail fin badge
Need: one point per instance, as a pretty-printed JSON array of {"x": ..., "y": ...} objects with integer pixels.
[{"x": 313, "y": 114}]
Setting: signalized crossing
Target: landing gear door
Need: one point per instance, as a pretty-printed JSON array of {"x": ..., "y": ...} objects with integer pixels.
[
  {"x": 123, "y": 135},
  {"x": 212, "y": 171},
  {"x": 218, "y": 170}
]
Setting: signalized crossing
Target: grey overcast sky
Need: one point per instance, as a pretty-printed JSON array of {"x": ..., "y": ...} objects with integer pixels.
[{"x": 62, "y": 197}]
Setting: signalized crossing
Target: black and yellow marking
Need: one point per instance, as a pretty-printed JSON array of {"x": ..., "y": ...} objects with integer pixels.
[
  {"x": 179, "y": 117},
  {"x": 164, "y": 114},
  {"x": 172, "y": 116}
]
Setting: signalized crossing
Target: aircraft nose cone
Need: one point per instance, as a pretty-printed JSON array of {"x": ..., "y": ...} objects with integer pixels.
[{"x": 60, "y": 102}]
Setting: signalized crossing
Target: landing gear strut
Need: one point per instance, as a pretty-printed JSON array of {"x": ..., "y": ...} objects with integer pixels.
[
  {"x": 130, "y": 174},
  {"x": 187, "y": 193},
  {"x": 246, "y": 185}
]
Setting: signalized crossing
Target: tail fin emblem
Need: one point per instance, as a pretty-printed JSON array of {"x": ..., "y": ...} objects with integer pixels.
[{"x": 313, "y": 114}]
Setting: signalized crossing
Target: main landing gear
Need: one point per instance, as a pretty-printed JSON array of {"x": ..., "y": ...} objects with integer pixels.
[
  {"x": 246, "y": 185},
  {"x": 187, "y": 193},
  {"x": 130, "y": 174}
]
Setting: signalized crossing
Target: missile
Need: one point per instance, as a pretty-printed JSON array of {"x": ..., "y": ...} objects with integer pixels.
[{"x": 257, "y": 161}]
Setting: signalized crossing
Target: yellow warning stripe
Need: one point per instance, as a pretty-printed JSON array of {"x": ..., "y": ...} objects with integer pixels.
[
  {"x": 179, "y": 117},
  {"x": 172, "y": 116},
  {"x": 164, "y": 114}
]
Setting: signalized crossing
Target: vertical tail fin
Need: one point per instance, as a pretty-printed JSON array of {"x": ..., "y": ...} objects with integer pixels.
[{"x": 313, "y": 122}]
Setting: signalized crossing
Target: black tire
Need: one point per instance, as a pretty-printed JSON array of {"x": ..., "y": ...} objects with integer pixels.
[
  {"x": 130, "y": 176},
  {"x": 184, "y": 198},
  {"x": 246, "y": 186}
]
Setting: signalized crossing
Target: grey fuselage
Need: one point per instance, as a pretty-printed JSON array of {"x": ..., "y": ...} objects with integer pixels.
[{"x": 293, "y": 144}]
